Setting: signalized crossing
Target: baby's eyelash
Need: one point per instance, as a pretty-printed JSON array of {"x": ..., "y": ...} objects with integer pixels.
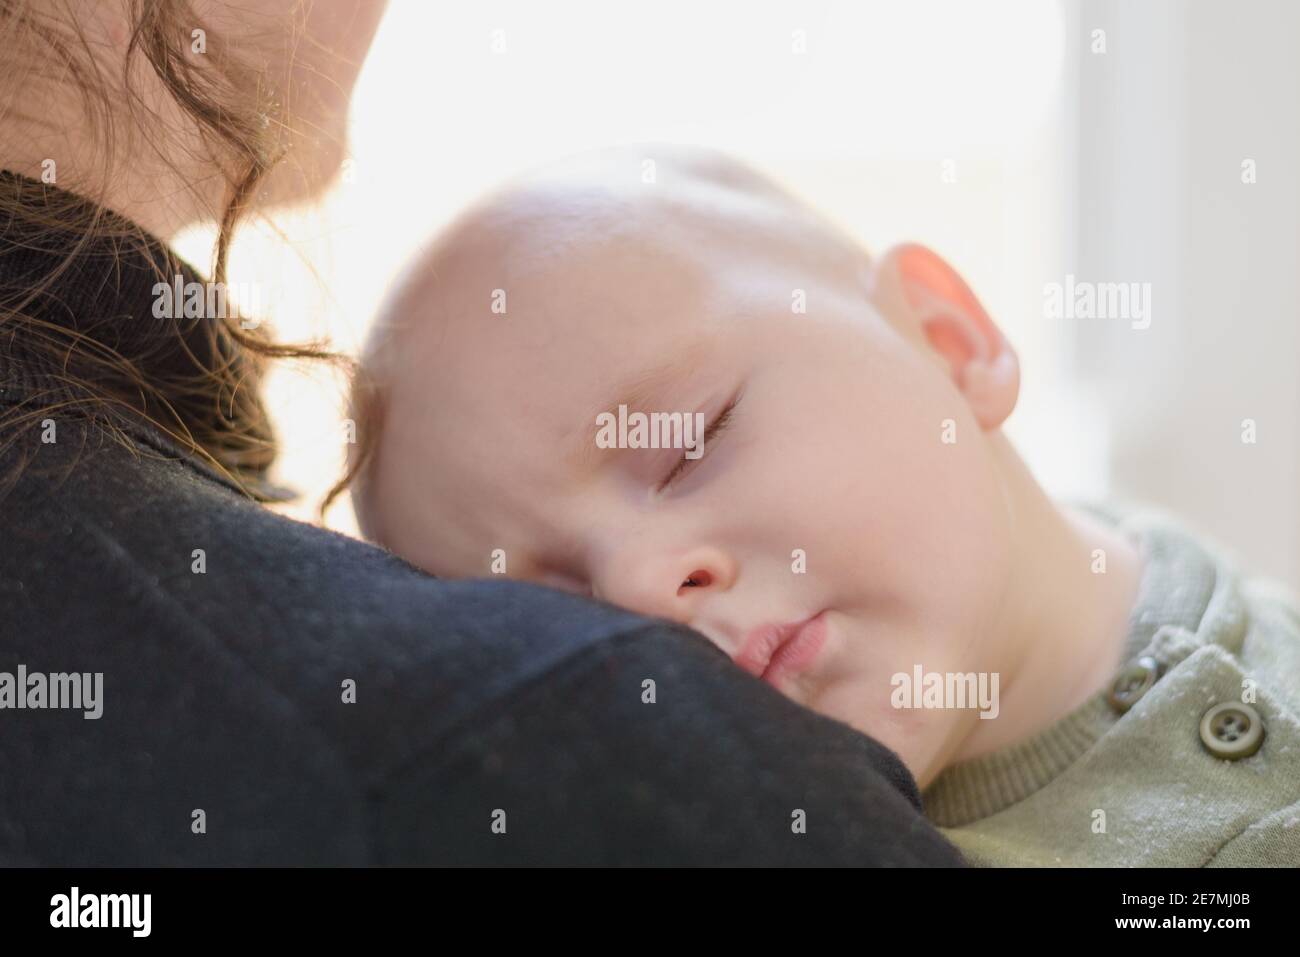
[{"x": 711, "y": 433}]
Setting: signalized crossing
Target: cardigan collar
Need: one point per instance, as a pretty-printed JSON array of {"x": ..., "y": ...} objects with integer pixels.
[{"x": 1187, "y": 597}]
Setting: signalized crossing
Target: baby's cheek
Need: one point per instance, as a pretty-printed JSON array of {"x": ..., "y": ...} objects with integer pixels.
[{"x": 948, "y": 528}]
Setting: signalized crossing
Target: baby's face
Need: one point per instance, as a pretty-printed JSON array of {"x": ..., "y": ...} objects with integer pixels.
[{"x": 829, "y": 492}]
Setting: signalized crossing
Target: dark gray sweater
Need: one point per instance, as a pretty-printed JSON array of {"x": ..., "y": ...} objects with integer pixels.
[{"x": 476, "y": 703}]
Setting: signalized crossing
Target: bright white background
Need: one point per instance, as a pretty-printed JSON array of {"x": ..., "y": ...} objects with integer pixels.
[{"x": 1115, "y": 167}]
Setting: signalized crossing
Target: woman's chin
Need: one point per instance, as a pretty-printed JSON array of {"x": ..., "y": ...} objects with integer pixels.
[{"x": 304, "y": 175}]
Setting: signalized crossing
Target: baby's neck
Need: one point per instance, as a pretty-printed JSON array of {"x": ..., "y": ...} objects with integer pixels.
[{"x": 1066, "y": 623}]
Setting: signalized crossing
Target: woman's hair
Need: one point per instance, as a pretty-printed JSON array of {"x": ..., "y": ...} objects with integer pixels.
[
  {"x": 207, "y": 395},
  {"x": 366, "y": 409}
]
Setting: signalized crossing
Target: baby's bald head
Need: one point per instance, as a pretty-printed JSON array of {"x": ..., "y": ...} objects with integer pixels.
[{"x": 507, "y": 333}]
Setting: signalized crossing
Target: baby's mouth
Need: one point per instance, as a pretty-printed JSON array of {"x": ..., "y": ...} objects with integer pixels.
[{"x": 776, "y": 651}]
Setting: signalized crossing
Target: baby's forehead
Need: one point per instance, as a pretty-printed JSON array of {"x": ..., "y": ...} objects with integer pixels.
[
  {"x": 571, "y": 267},
  {"x": 589, "y": 248}
]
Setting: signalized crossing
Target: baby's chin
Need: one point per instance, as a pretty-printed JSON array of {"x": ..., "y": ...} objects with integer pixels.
[{"x": 920, "y": 737}]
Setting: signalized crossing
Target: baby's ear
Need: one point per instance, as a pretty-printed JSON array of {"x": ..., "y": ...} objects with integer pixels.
[{"x": 929, "y": 301}]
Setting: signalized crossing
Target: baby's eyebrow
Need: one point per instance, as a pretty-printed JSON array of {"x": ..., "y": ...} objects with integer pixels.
[{"x": 644, "y": 392}]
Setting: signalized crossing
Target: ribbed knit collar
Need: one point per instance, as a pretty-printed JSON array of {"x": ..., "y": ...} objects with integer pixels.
[
  {"x": 104, "y": 269},
  {"x": 1184, "y": 590}
]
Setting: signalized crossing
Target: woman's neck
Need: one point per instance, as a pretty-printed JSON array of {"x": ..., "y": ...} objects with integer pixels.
[{"x": 90, "y": 143}]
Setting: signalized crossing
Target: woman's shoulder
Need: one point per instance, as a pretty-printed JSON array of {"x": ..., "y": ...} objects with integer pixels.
[{"x": 153, "y": 511}]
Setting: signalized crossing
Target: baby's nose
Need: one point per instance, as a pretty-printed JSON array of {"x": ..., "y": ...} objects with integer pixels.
[{"x": 672, "y": 586}]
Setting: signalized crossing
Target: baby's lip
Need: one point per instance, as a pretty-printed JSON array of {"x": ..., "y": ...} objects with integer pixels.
[{"x": 771, "y": 649}]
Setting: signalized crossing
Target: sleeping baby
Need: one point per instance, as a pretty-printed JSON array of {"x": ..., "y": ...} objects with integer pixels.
[{"x": 651, "y": 376}]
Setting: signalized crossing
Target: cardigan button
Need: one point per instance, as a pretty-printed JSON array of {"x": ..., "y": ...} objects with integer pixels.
[
  {"x": 1132, "y": 683},
  {"x": 1232, "y": 731}
]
